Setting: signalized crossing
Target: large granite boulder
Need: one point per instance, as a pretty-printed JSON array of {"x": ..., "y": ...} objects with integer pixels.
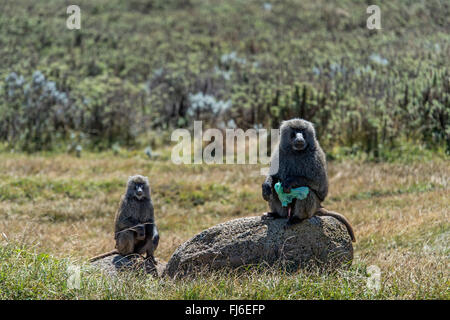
[{"x": 319, "y": 242}]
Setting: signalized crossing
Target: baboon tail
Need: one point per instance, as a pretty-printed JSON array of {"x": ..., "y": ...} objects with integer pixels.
[
  {"x": 340, "y": 217},
  {"x": 104, "y": 255}
]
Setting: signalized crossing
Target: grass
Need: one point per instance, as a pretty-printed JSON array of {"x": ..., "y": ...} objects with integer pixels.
[{"x": 58, "y": 210}]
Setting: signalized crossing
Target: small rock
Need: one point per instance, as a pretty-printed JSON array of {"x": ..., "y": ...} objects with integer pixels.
[
  {"x": 113, "y": 264},
  {"x": 319, "y": 241}
]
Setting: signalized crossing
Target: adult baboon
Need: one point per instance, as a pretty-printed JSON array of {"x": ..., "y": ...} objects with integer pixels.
[{"x": 299, "y": 161}]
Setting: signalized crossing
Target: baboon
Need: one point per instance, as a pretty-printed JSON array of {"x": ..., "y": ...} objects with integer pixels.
[
  {"x": 301, "y": 163},
  {"x": 135, "y": 230}
]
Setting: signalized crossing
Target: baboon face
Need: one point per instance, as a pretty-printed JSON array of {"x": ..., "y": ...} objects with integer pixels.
[
  {"x": 138, "y": 188},
  {"x": 297, "y": 135}
]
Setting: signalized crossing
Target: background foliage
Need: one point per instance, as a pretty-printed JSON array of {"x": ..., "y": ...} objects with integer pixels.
[{"x": 151, "y": 65}]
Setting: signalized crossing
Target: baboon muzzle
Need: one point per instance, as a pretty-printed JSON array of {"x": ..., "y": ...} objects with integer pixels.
[
  {"x": 139, "y": 192},
  {"x": 299, "y": 142}
]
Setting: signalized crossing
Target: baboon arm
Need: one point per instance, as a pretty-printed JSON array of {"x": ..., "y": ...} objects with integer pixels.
[
  {"x": 151, "y": 230},
  {"x": 151, "y": 242},
  {"x": 268, "y": 186},
  {"x": 271, "y": 180},
  {"x": 155, "y": 237},
  {"x": 268, "y": 181},
  {"x": 299, "y": 181},
  {"x": 127, "y": 222},
  {"x": 322, "y": 192}
]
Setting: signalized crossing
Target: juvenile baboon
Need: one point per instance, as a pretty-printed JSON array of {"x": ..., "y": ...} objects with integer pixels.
[
  {"x": 135, "y": 230},
  {"x": 299, "y": 161}
]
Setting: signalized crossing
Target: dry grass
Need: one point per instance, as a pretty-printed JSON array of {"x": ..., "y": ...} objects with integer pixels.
[{"x": 65, "y": 206}]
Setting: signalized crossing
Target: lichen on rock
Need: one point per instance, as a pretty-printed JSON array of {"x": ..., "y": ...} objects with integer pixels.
[{"x": 318, "y": 241}]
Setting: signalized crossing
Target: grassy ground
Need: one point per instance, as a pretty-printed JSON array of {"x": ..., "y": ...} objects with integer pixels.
[{"x": 58, "y": 210}]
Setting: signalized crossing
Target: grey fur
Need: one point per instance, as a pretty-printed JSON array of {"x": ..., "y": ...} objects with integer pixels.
[
  {"x": 135, "y": 228},
  {"x": 298, "y": 161}
]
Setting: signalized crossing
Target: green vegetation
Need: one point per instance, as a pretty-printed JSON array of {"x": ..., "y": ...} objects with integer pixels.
[
  {"x": 153, "y": 64},
  {"x": 25, "y": 274}
]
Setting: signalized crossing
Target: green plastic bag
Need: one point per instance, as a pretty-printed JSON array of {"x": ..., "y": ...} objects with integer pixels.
[{"x": 286, "y": 198}]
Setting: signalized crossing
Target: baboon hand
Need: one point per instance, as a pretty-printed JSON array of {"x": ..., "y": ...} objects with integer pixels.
[
  {"x": 140, "y": 232},
  {"x": 287, "y": 186},
  {"x": 266, "y": 191}
]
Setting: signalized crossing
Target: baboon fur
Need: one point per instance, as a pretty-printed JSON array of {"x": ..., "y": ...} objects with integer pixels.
[
  {"x": 301, "y": 163},
  {"x": 135, "y": 229}
]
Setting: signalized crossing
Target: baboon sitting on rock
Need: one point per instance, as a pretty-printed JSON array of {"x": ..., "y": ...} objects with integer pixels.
[
  {"x": 135, "y": 230},
  {"x": 298, "y": 162}
]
